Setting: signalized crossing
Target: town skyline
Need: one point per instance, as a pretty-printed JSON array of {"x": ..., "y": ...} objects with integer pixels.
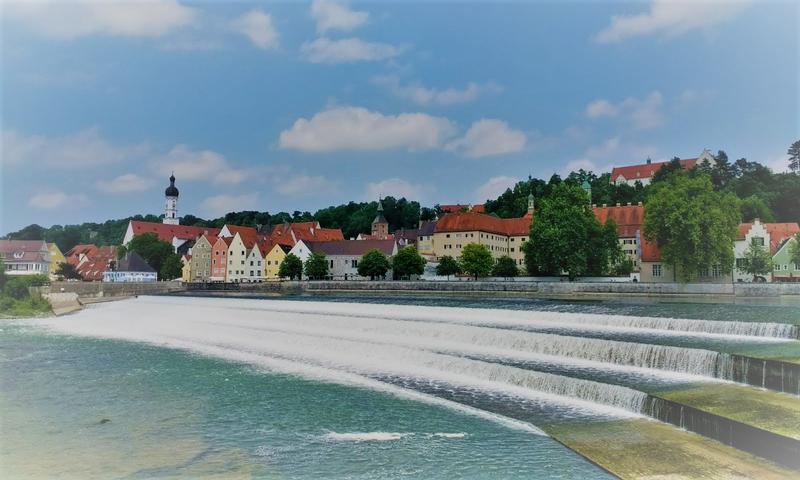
[{"x": 283, "y": 107}]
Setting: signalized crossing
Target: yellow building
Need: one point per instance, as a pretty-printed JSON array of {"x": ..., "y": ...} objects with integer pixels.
[
  {"x": 186, "y": 270},
  {"x": 56, "y": 259},
  {"x": 272, "y": 261}
]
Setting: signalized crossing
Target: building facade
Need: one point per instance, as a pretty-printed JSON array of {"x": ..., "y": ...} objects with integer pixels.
[
  {"x": 56, "y": 259},
  {"x": 25, "y": 257},
  {"x": 131, "y": 269},
  {"x": 784, "y": 269},
  {"x": 343, "y": 256}
]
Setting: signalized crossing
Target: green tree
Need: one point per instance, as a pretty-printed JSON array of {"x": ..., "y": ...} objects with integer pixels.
[
  {"x": 756, "y": 261},
  {"x": 754, "y": 207},
  {"x": 171, "y": 268},
  {"x": 448, "y": 266},
  {"x": 794, "y": 157},
  {"x": 3, "y": 277},
  {"x": 505, "y": 266},
  {"x": 154, "y": 251},
  {"x": 408, "y": 262},
  {"x": 122, "y": 250},
  {"x": 316, "y": 267},
  {"x": 693, "y": 225},
  {"x": 563, "y": 235},
  {"x": 291, "y": 267},
  {"x": 67, "y": 271},
  {"x": 373, "y": 264},
  {"x": 476, "y": 260},
  {"x": 662, "y": 173}
]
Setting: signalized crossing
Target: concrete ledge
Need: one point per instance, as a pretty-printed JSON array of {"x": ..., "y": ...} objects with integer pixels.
[{"x": 63, "y": 303}]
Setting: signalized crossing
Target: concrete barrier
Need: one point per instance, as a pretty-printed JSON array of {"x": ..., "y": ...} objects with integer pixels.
[
  {"x": 521, "y": 288},
  {"x": 63, "y": 303}
]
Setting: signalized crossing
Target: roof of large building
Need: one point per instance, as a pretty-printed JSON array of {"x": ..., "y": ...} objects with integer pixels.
[
  {"x": 91, "y": 270},
  {"x": 23, "y": 250},
  {"x": 778, "y": 233},
  {"x": 352, "y": 247},
  {"x": 646, "y": 170},
  {"x": 427, "y": 227},
  {"x": 629, "y": 218},
  {"x": 650, "y": 251},
  {"x": 133, "y": 262},
  {"x": 473, "y": 221},
  {"x": 458, "y": 207},
  {"x": 166, "y": 232}
]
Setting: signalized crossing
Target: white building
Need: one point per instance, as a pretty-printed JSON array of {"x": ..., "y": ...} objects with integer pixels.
[
  {"x": 770, "y": 236},
  {"x": 25, "y": 257},
  {"x": 644, "y": 172},
  {"x": 343, "y": 255},
  {"x": 171, "y": 203}
]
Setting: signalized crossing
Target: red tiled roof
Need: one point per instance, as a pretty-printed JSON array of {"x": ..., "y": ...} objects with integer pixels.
[
  {"x": 646, "y": 170},
  {"x": 457, "y": 207},
  {"x": 289, "y": 234},
  {"x": 472, "y": 221},
  {"x": 166, "y": 232},
  {"x": 778, "y": 232},
  {"x": 650, "y": 251},
  {"x": 92, "y": 269},
  {"x": 82, "y": 249},
  {"x": 629, "y": 218}
]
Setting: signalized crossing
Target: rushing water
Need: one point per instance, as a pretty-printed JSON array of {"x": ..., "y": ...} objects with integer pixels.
[{"x": 309, "y": 389}]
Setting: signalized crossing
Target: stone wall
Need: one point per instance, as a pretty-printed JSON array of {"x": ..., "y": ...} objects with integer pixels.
[
  {"x": 100, "y": 289},
  {"x": 533, "y": 288}
]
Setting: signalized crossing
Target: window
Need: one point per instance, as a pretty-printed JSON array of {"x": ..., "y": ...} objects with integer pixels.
[
  {"x": 758, "y": 241},
  {"x": 657, "y": 270},
  {"x": 739, "y": 262},
  {"x": 512, "y": 249},
  {"x": 447, "y": 236},
  {"x": 251, "y": 263},
  {"x": 354, "y": 263},
  {"x": 716, "y": 271},
  {"x": 331, "y": 263}
]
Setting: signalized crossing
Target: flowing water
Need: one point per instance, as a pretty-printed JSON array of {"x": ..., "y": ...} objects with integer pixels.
[{"x": 319, "y": 389}]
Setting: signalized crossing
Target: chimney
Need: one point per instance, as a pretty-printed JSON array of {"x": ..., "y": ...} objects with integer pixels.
[
  {"x": 619, "y": 204},
  {"x": 605, "y": 205},
  {"x": 629, "y": 204},
  {"x": 594, "y": 205},
  {"x": 640, "y": 204}
]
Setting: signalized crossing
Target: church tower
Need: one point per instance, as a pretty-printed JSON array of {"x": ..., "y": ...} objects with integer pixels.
[
  {"x": 530, "y": 204},
  {"x": 380, "y": 227},
  {"x": 171, "y": 205}
]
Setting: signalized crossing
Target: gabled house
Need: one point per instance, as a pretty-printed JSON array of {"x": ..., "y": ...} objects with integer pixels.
[
  {"x": 200, "y": 269},
  {"x": 290, "y": 233},
  {"x": 770, "y": 236},
  {"x": 219, "y": 259},
  {"x": 273, "y": 259},
  {"x": 644, "y": 172},
  {"x": 784, "y": 269},
  {"x": 94, "y": 265},
  {"x": 25, "y": 257}
]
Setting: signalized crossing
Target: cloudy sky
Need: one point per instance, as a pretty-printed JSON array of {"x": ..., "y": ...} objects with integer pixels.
[{"x": 296, "y": 106}]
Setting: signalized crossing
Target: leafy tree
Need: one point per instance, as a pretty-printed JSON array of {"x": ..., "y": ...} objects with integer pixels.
[
  {"x": 794, "y": 157},
  {"x": 408, "y": 262},
  {"x": 448, "y": 266},
  {"x": 622, "y": 268},
  {"x": 604, "y": 253},
  {"x": 754, "y": 207},
  {"x": 666, "y": 170},
  {"x": 3, "y": 277},
  {"x": 154, "y": 251},
  {"x": 171, "y": 268},
  {"x": 476, "y": 260},
  {"x": 122, "y": 250},
  {"x": 291, "y": 267},
  {"x": 67, "y": 271},
  {"x": 756, "y": 261},
  {"x": 374, "y": 264},
  {"x": 505, "y": 267},
  {"x": 693, "y": 225},
  {"x": 562, "y": 235},
  {"x": 316, "y": 267}
]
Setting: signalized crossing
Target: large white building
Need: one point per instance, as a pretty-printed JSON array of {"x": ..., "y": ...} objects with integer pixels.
[
  {"x": 644, "y": 172},
  {"x": 343, "y": 255}
]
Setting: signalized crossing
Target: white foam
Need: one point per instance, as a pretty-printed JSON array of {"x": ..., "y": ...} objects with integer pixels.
[{"x": 364, "y": 436}]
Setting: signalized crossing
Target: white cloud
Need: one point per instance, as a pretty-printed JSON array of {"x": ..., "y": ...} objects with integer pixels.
[
  {"x": 219, "y": 205},
  {"x": 431, "y": 96},
  {"x": 127, "y": 183},
  {"x": 69, "y": 20},
  {"x": 347, "y": 50},
  {"x": 489, "y": 137},
  {"x": 86, "y": 148},
  {"x": 257, "y": 26},
  {"x": 494, "y": 187},
  {"x": 56, "y": 199},
  {"x": 397, "y": 187},
  {"x": 355, "y": 128},
  {"x": 191, "y": 164},
  {"x": 335, "y": 16},
  {"x": 601, "y": 108},
  {"x": 669, "y": 17},
  {"x": 305, "y": 185},
  {"x": 641, "y": 113}
]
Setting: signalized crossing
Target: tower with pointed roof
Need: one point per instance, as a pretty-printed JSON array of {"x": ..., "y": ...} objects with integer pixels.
[
  {"x": 380, "y": 227},
  {"x": 530, "y": 204},
  {"x": 171, "y": 203}
]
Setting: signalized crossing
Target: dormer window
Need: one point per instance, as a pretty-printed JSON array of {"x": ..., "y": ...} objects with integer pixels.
[{"x": 18, "y": 255}]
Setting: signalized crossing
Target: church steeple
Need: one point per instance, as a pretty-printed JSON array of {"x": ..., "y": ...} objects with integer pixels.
[
  {"x": 530, "y": 204},
  {"x": 380, "y": 226},
  {"x": 171, "y": 203}
]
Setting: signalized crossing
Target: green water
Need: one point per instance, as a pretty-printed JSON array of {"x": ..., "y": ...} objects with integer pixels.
[{"x": 90, "y": 408}]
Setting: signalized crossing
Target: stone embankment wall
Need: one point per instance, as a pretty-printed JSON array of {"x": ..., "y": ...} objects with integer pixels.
[
  {"x": 532, "y": 288},
  {"x": 91, "y": 290}
]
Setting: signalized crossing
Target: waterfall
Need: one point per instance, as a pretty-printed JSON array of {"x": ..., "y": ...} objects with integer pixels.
[{"x": 531, "y": 319}]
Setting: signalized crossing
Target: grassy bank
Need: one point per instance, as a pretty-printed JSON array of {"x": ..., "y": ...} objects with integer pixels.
[{"x": 16, "y": 299}]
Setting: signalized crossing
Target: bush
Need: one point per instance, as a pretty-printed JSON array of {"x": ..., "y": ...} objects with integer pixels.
[{"x": 16, "y": 287}]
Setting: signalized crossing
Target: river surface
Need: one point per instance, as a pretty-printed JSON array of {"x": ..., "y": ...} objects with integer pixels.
[{"x": 160, "y": 387}]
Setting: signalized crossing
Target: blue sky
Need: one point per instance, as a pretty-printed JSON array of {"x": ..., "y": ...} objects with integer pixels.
[{"x": 297, "y": 106}]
